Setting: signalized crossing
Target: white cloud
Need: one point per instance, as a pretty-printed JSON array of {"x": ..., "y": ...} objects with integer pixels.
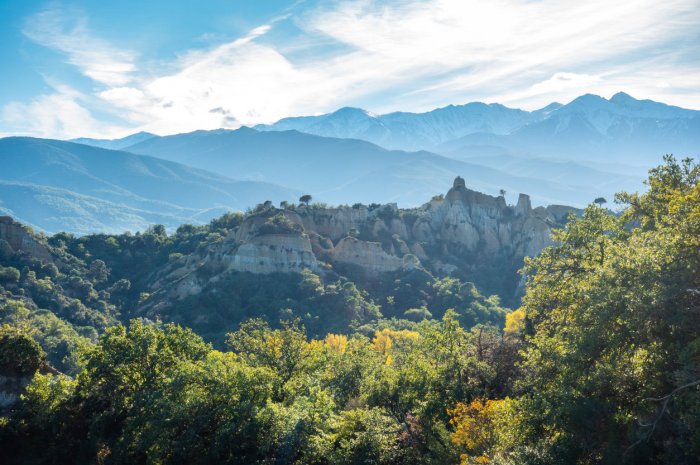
[
  {"x": 60, "y": 114},
  {"x": 123, "y": 96},
  {"x": 499, "y": 46},
  {"x": 69, "y": 34},
  {"x": 400, "y": 55}
]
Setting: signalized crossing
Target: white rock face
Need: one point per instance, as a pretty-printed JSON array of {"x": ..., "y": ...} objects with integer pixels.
[
  {"x": 261, "y": 255},
  {"x": 334, "y": 223},
  {"x": 444, "y": 235},
  {"x": 368, "y": 255},
  {"x": 273, "y": 253}
]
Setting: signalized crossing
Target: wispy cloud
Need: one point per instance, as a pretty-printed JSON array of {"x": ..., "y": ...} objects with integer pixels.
[
  {"x": 407, "y": 55},
  {"x": 486, "y": 49},
  {"x": 59, "y": 114},
  {"x": 68, "y": 32}
]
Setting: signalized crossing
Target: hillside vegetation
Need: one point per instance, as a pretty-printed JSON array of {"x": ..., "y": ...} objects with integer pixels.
[{"x": 600, "y": 363}]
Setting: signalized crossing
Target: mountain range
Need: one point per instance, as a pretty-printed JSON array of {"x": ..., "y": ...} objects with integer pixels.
[
  {"x": 115, "y": 144},
  {"x": 560, "y": 154},
  {"x": 590, "y": 128},
  {"x": 346, "y": 171},
  {"x": 63, "y": 186}
]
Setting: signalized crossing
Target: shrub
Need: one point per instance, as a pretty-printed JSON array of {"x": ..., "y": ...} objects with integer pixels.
[
  {"x": 280, "y": 224},
  {"x": 9, "y": 274},
  {"x": 19, "y": 353}
]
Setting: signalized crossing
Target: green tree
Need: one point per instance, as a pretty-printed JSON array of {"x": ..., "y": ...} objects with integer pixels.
[
  {"x": 281, "y": 350},
  {"x": 305, "y": 199},
  {"x": 20, "y": 354},
  {"x": 613, "y": 317}
]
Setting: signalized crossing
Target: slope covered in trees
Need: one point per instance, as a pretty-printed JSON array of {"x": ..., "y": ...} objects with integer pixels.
[
  {"x": 600, "y": 364},
  {"x": 611, "y": 365}
]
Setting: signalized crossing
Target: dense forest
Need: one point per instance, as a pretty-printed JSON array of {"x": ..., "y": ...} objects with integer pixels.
[{"x": 599, "y": 364}]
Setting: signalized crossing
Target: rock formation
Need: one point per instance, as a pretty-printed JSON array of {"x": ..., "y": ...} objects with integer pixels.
[
  {"x": 367, "y": 255},
  {"x": 16, "y": 238},
  {"x": 455, "y": 234}
]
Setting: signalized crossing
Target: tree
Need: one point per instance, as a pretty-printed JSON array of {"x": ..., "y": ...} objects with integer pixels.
[
  {"x": 600, "y": 201},
  {"x": 305, "y": 199},
  {"x": 502, "y": 192},
  {"x": 515, "y": 322},
  {"x": 282, "y": 350},
  {"x": 479, "y": 428},
  {"x": 20, "y": 355},
  {"x": 99, "y": 271},
  {"x": 417, "y": 314},
  {"x": 613, "y": 332}
]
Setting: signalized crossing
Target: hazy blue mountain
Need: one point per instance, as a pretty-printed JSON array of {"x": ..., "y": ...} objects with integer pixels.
[
  {"x": 341, "y": 171},
  {"x": 607, "y": 178},
  {"x": 410, "y": 131},
  {"x": 115, "y": 144},
  {"x": 91, "y": 186},
  {"x": 595, "y": 131},
  {"x": 52, "y": 210},
  {"x": 621, "y": 130}
]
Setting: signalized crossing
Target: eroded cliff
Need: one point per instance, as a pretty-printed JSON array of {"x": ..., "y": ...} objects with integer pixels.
[{"x": 461, "y": 233}]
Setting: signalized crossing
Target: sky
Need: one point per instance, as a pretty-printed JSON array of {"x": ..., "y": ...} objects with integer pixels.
[{"x": 109, "y": 69}]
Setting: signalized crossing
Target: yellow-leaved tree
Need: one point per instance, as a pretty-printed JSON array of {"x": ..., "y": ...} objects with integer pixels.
[{"x": 483, "y": 428}]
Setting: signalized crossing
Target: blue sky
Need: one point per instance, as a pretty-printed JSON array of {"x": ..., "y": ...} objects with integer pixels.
[{"x": 107, "y": 69}]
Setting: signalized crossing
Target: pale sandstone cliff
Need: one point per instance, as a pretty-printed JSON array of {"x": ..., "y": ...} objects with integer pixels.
[{"x": 443, "y": 236}]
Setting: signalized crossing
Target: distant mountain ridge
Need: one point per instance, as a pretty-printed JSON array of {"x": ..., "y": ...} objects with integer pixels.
[
  {"x": 341, "y": 171},
  {"x": 628, "y": 134},
  {"x": 115, "y": 144},
  {"x": 588, "y": 129},
  {"x": 57, "y": 185},
  {"x": 409, "y": 131}
]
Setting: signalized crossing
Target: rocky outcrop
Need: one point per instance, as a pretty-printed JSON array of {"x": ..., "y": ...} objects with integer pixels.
[
  {"x": 367, "y": 255},
  {"x": 523, "y": 207},
  {"x": 443, "y": 236},
  {"x": 272, "y": 253},
  {"x": 16, "y": 238},
  {"x": 260, "y": 254}
]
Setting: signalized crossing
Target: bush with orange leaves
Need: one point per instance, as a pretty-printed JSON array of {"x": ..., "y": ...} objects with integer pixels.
[{"x": 484, "y": 428}]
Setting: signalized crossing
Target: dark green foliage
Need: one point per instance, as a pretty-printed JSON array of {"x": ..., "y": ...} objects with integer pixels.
[
  {"x": 416, "y": 288},
  {"x": 614, "y": 316},
  {"x": 278, "y": 296},
  {"x": 417, "y": 314},
  {"x": 59, "y": 339},
  {"x": 9, "y": 275},
  {"x": 228, "y": 221},
  {"x": 158, "y": 394},
  {"x": 20, "y": 355}
]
